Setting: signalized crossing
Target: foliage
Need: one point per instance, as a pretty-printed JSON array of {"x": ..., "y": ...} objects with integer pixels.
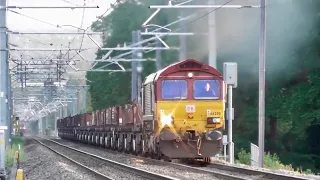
[
  {"x": 10, "y": 151},
  {"x": 271, "y": 161},
  {"x": 292, "y": 75}
]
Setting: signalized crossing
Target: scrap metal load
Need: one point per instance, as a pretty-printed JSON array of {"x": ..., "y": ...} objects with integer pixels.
[{"x": 181, "y": 116}]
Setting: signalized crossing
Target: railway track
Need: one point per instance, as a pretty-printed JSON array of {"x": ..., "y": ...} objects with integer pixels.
[
  {"x": 101, "y": 167},
  {"x": 213, "y": 171},
  {"x": 181, "y": 171}
]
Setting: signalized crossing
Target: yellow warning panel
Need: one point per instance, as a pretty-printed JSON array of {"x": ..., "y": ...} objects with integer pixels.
[
  {"x": 1, "y": 142},
  {"x": 20, "y": 174},
  {"x": 16, "y": 154}
]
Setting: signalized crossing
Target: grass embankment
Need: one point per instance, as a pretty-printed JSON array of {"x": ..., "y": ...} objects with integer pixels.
[
  {"x": 11, "y": 149},
  {"x": 270, "y": 162}
]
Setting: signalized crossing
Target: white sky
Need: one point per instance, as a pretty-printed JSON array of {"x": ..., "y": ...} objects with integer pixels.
[{"x": 53, "y": 16}]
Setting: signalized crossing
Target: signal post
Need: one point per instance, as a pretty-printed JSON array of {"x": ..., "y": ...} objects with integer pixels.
[{"x": 230, "y": 76}]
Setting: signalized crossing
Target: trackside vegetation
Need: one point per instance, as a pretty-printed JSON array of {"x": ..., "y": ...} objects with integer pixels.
[{"x": 16, "y": 142}]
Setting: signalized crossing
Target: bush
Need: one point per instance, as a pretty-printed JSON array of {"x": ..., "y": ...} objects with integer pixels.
[
  {"x": 244, "y": 157},
  {"x": 270, "y": 162},
  {"x": 11, "y": 149}
]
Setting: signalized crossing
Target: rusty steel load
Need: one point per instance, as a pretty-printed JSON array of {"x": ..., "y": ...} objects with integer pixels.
[{"x": 181, "y": 116}]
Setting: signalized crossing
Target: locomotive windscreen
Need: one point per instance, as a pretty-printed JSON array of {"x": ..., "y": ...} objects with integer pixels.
[
  {"x": 206, "y": 89},
  {"x": 174, "y": 89}
]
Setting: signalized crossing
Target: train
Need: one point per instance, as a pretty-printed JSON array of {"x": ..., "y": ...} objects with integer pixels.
[{"x": 180, "y": 116}]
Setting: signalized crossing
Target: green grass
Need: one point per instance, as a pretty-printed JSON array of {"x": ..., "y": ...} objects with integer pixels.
[
  {"x": 16, "y": 141},
  {"x": 270, "y": 162}
]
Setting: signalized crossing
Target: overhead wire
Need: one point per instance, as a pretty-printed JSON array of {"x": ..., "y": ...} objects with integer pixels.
[
  {"x": 99, "y": 17},
  {"x": 54, "y": 25}
]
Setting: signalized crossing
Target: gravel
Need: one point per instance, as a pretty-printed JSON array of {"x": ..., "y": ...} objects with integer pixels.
[
  {"x": 43, "y": 164},
  {"x": 94, "y": 163}
]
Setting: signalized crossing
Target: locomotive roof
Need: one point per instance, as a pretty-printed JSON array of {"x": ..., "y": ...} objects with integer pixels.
[{"x": 175, "y": 68}]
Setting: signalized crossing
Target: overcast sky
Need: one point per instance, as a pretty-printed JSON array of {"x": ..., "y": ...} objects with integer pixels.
[{"x": 53, "y": 16}]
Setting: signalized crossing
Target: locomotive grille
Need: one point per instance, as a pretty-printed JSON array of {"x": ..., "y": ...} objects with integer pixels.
[{"x": 147, "y": 99}]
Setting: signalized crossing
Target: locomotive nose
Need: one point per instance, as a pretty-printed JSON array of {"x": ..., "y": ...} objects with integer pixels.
[{"x": 167, "y": 135}]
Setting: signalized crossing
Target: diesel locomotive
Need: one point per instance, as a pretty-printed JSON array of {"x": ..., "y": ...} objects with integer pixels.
[{"x": 181, "y": 115}]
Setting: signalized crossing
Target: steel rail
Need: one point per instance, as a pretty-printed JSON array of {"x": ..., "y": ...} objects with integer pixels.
[
  {"x": 137, "y": 171},
  {"x": 75, "y": 162}
]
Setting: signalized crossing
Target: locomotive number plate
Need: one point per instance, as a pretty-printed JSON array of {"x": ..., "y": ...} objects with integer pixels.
[
  {"x": 214, "y": 113},
  {"x": 190, "y": 108}
]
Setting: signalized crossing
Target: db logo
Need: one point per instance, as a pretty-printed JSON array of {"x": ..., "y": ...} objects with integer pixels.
[{"x": 190, "y": 108}]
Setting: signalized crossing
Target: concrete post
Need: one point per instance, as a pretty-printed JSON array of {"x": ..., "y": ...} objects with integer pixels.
[
  {"x": 139, "y": 67},
  {"x": 3, "y": 70},
  {"x": 183, "y": 39},
  {"x": 212, "y": 37}
]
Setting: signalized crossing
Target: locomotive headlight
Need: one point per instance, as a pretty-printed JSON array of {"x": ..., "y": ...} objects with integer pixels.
[
  {"x": 190, "y": 74},
  {"x": 213, "y": 120},
  {"x": 216, "y": 120},
  {"x": 166, "y": 120}
]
